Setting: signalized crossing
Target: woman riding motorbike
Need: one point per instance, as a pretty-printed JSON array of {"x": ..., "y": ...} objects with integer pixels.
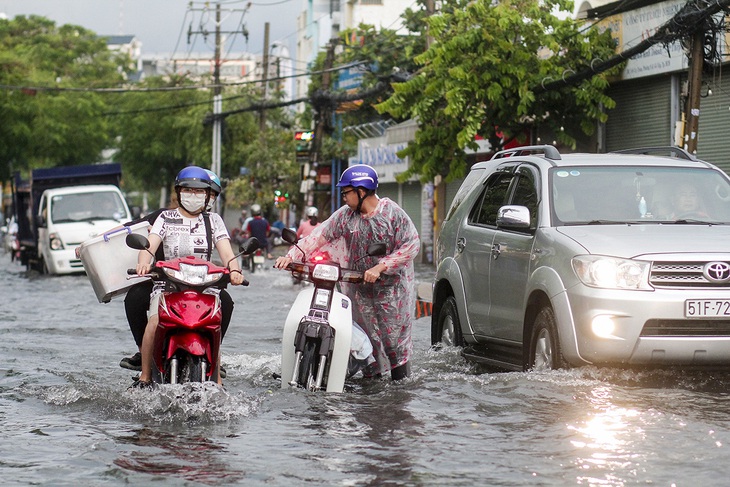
[{"x": 186, "y": 230}]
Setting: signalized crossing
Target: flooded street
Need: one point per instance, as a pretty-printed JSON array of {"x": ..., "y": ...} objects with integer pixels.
[{"x": 68, "y": 418}]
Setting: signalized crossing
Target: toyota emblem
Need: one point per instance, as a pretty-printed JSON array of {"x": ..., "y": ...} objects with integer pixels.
[{"x": 717, "y": 271}]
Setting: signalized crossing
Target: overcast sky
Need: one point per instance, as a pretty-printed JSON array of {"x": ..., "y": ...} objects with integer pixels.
[{"x": 162, "y": 25}]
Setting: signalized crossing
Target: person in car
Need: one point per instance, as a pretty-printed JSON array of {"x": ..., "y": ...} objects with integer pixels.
[
  {"x": 186, "y": 230},
  {"x": 687, "y": 203},
  {"x": 384, "y": 304}
]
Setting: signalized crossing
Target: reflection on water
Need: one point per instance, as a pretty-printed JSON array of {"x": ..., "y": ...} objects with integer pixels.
[
  {"x": 603, "y": 442},
  {"x": 172, "y": 455}
]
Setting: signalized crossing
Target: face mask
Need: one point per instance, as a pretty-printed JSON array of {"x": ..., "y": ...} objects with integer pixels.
[
  {"x": 209, "y": 206},
  {"x": 192, "y": 203}
]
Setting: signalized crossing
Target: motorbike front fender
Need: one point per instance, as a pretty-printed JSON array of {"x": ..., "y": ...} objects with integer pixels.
[
  {"x": 340, "y": 318},
  {"x": 193, "y": 343}
]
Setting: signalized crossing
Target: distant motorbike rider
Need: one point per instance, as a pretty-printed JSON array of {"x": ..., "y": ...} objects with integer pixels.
[
  {"x": 259, "y": 227},
  {"x": 385, "y": 303},
  {"x": 306, "y": 226},
  {"x": 186, "y": 230}
]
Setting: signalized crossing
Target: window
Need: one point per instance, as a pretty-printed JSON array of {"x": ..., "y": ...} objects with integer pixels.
[
  {"x": 526, "y": 195},
  {"x": 494, "y": 196}
]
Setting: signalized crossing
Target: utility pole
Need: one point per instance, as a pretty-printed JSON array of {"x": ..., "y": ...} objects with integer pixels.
[
  {"x": 217, "y": 100},
  {"x": 438, "y": 194},
  {"x": 322, "y": 113},
  {"x": 217, "y": 89},
  {"x": 692, "y": 110},
  {"x": 265, "y": 78}
]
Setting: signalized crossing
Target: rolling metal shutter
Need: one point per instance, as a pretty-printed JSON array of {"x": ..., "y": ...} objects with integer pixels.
[
  {"x": 714, "y": 127},
  {"x": 412, "y": 203},
  {"x": 389, "y": 190},
  {"x": 410, "y": 200},
  {"x": 642, "y": 117},
  {"x": 451, "y": 189}
]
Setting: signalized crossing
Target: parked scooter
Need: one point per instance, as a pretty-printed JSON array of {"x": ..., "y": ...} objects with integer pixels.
[
  {"x": 321, "y": 345},
  {"x": 188, "y": 336}
]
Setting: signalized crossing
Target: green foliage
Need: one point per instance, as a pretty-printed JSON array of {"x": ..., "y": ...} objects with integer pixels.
[
  {"x": 271, "y": 165},
  {"x": 480, "y": 74},
  {"x": 48, "y": 128}
]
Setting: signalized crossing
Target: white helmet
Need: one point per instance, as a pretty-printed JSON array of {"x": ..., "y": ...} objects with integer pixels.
[
  {"x": 255, "y": 210},
  {"x": 312, "y": 211}
]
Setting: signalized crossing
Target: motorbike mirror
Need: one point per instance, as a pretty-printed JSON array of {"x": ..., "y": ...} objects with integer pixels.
[
  {"x": 377, "y": 249},
  {"x": 246, "y": 247},
  {"x": 137, "y": 241},
  {"x": 289, "y": 236},
  {"x": 249, "y": 245}
]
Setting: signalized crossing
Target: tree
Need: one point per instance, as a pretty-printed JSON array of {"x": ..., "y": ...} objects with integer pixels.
[
  {"x": 161, "y": 132},
  {"x": 53, "y": 125},
  {"x": 479, "y": 78},
  {"x": 270, "y": 162}
]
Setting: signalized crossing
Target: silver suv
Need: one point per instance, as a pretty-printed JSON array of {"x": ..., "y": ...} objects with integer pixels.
[{"x": 549, "y": 260}]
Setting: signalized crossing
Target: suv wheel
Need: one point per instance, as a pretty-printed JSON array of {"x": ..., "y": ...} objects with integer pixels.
[
  {"x": 448, "y": 328},
  {"x": 544, "y": 346}
]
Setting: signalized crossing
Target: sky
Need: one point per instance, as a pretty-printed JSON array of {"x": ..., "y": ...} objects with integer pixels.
[{"x": 162, "y": 25}]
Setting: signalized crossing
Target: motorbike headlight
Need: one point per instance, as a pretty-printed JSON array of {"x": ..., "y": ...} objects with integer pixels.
[
  {"x": 612, "y": 273},
  {"x": 195, "y": 275},
  {"x": 326, "y": 272}
]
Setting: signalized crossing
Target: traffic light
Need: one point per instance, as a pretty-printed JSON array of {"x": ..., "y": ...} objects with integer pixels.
[
  {"x": 303, "y": 144},
  {"x": 280, "y": 198}
]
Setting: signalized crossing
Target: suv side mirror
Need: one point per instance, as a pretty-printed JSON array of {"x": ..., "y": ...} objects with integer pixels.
[{"x": 513, "y": 216}]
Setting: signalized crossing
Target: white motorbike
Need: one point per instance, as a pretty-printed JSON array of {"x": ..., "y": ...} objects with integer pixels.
[{"x": 321, "y": 345}]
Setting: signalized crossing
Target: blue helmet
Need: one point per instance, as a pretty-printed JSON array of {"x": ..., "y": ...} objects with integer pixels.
[
  {"x": 359, "y": 176},
  {"x": 197, "y": 177},
  {"x": 215, "y": 182}
]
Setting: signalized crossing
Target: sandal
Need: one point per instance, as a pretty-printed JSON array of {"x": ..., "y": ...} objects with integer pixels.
[{"x": 142, "y": 384}]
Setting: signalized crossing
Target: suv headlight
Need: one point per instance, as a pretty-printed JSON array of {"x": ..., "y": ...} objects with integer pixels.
[{"x": 612, "y": 273}]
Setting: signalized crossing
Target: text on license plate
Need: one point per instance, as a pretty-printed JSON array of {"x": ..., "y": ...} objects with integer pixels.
[
  {"x": 258, "y": 259},
  {"x": 699, "y": 308}
]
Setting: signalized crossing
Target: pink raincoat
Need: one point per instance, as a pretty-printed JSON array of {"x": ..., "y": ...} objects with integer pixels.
[{"x": 384, "y": 309}]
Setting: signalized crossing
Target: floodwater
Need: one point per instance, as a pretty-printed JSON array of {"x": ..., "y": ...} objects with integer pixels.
[{"x": 68, "y": 419}]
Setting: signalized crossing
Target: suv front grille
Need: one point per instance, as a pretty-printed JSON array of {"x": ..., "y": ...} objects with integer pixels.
[
  {"x": 681, "y": 274},
  {"x": 686, "y": 328}
]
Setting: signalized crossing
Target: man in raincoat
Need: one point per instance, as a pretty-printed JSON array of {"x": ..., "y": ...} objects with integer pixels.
[{"x": 385, "y": 303}]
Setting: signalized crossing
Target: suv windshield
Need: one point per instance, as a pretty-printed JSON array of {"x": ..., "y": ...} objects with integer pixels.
[{"x": 626, "y": 194}]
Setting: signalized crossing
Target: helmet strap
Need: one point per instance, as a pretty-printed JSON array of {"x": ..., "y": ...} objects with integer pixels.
[{"x": 361, "y": 199}]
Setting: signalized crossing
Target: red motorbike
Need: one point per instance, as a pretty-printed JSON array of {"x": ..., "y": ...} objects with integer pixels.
[{"x": 188, "y": 336}]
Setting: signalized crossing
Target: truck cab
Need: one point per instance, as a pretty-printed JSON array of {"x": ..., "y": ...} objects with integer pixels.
[{"x": 68, "y": 216}]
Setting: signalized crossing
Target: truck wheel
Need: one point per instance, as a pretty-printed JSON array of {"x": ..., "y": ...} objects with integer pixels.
[
  {"x": 41, "y": 266},
  {"x": 446, "y": 329},
  {"x": 545, "y": 351}
]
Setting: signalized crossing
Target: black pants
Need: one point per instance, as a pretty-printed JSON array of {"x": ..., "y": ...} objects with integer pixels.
[{"x": 137, "y": 302}]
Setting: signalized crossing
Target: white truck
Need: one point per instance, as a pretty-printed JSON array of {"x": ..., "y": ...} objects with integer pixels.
[{"x": 68, "y": 206}]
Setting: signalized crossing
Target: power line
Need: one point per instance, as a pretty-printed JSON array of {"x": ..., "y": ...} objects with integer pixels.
[{"x": 32, "y": 89}]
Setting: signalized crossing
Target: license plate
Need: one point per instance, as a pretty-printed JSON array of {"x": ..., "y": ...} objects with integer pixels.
[
  {"x": 703, "y": 308},
  {"x": 258, "y": 259}
]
